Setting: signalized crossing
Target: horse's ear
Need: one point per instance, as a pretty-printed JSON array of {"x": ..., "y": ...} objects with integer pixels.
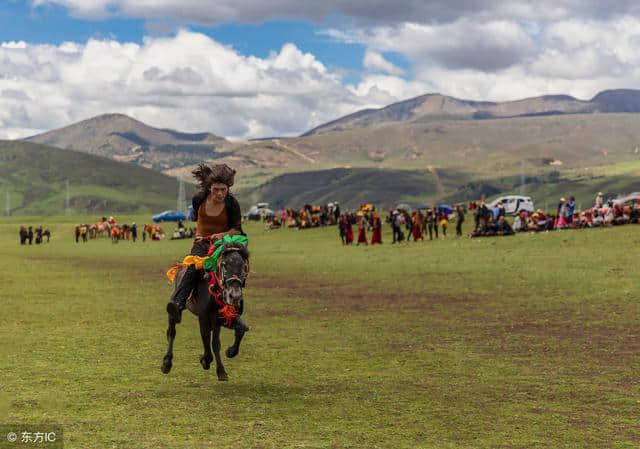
[{"x": 244, "y": 252}]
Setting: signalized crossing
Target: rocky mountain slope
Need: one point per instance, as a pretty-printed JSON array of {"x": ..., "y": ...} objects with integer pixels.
[
  {"x": 123, "y": 138},
  {"x": 436, "y": 106}
]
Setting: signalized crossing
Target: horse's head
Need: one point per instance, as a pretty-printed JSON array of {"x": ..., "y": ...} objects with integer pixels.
[{"x": 234, "y": 269}]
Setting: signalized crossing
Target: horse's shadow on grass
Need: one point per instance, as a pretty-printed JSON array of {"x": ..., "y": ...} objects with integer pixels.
[{"x": 237, "y": 390}]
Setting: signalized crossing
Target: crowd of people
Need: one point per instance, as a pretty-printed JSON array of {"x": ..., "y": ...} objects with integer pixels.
[
  {"x": 610, "y": 213},
  {"x": 182, "y": 232},
  {"x": 419, "y": 222},
  {"x": 406, "y": 224},
  {"x": 310, "y": 216},
  {"x": 27, "y": 235},
  {"x": 416, "y": 224},
  {"x": 365, "y": 222}
]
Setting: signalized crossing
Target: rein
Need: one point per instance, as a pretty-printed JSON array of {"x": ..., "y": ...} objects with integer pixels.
[
  {"x": 216, "y": 286},
  {"x": 213, "y": 264}
]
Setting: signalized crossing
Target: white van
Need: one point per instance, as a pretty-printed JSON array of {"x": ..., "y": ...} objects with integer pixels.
[
  {"x": 513, "y": 204},
  {"x": 259, "y": 211}
]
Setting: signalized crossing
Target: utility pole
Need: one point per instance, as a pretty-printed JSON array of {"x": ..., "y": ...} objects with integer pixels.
[
  {"x": 67, "y": 208},
  {"x": 181, "y": 200},
  {"x": 7, "y": 203}
]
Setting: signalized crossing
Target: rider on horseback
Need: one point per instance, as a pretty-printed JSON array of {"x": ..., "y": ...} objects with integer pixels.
[{"x": 217, "y": 213}]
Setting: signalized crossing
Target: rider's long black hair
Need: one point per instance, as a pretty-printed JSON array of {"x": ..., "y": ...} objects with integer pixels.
[{"x": 207, "y": 175}]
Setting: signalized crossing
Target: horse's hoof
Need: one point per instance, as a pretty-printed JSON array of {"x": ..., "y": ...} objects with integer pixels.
[
  {"x": 232, "y": 351},
  {"x": 166, "y": 365},
  {"x": 205, "y": 362},
  {"x": 222, "y": 377}
]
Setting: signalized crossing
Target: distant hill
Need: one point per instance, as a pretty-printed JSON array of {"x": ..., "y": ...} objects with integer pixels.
[
  {"x": 36, "y": 175},
  {"x": 493, "y": 145},
  {"x": 123, "y": 138},
  {"x": 437, "y": 106},
  {"x": 351, "y": 187},
  {"x": 386, "y": 187}
]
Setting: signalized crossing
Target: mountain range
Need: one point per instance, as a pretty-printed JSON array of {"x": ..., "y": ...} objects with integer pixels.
[
  {"x": 125, "y": 139},
  {"x": 430, "y": 147},
  {"x": 437, "y": 106}
]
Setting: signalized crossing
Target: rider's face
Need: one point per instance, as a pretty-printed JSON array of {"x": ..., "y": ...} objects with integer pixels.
[{"x": 219, "y": 192}]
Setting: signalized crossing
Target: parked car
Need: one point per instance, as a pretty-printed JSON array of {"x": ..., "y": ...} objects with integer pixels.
[
  {"x": 259, "y": 211},
  {"x": 513, "y": 204},
  {"x": 169, "y": 215},
  {"x": 628, "y": 200}
]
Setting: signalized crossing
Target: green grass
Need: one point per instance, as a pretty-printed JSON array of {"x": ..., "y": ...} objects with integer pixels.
[{"x": 525, "y": 341}]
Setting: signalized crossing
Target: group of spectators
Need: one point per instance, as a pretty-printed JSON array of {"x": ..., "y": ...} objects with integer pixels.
[
  {"x": 310, "y": 216},
  {"x": 422, "y": 221},
  {"x": 182, "y": 232},
  {"x": 369, "y": 221},
  {"x": 493, "y": 222},
  {"x": 415, "y": 224}
]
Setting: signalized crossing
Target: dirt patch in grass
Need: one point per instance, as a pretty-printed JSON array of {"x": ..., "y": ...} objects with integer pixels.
[
  {"x": 354, "y": 297},
  {"x": 488, "y": 326},
  {"x": 131, "y": 268}
]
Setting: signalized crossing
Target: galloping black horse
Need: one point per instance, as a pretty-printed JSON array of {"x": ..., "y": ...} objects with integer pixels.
[{"x": 232, "y": 273}]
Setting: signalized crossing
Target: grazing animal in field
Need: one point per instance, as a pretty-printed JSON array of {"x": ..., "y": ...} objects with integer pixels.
[
  {"x": 24, "y": 235},
  {"x": 104, "y": 228},
  {"x": 217, "y": 302},
  {"x": 46, "y": 233}
]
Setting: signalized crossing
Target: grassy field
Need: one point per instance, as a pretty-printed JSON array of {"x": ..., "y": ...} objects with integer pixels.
[
  {"x": 34, "y": 179},
  {"x": 513, "y": 342}
]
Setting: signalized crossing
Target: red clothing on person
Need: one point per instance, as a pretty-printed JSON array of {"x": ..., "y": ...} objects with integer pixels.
[
  {"x": 349, "y": 235},
  {"x": 416, "y": 229},
  {"x": 376, "y": 235},
  {"x": 362, "y": 233}
]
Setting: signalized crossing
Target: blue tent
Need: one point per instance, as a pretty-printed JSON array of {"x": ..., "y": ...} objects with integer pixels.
[
  {"x": 445, "y": 208},
  {"x": 169, "y": 215}
]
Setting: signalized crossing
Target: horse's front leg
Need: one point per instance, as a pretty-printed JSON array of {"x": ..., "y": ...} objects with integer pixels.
[
  {"x": 205, "y": 334},
  {"x": 239, "y": 328},
  {"x": 222, "y": 374},
  {"x": 168, "y": 357}
]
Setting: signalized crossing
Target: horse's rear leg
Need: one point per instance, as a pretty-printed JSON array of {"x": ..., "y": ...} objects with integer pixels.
[
  {"x": 239, "y": 328},
  {"x": 205, "y": 334},
  {"x": 168, "y": 357},
  {"x": 222, "y": 374}
]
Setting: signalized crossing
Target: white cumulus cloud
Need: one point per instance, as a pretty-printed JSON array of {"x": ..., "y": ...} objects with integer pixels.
[
  {"x": 375, "y": 61},
  {"x": 188, "y": 82}
]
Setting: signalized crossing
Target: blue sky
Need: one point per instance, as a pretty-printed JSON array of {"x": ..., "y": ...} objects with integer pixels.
[
  {"x": 52, "y": 24},
  {"x": 252, "y": 68}
]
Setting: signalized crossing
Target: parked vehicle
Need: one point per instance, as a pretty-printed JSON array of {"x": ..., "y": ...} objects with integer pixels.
[
  {"x": 258, "y": 211},
  {"x": 513, "y": 204},
  {"x": 169, "y": 215},
  {"x": 628, "y": 200}
]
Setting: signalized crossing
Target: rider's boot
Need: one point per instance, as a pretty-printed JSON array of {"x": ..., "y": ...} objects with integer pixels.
[{"x": 179, "y": 300}]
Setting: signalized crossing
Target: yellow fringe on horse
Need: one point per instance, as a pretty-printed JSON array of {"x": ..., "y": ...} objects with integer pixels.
[{"x": 189, "y": 260}]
